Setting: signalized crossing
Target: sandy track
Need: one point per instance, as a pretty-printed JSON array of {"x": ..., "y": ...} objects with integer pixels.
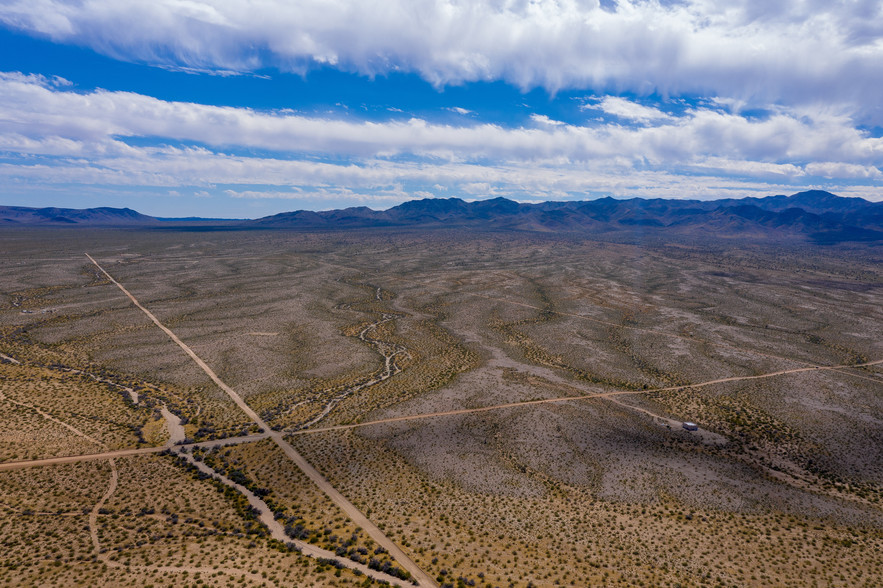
[
  {"x": 93, "y": 515},
  {"x": 580, "y": 397},
  {"x": 348, "y": 507},
  {"x": 278, "y": 437},
  {"x": 51, "y": 461},
  {"x": 49, "y": 417}
]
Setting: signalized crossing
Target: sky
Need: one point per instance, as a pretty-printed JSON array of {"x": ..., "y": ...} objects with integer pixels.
[{"x": 245, "y": 108}]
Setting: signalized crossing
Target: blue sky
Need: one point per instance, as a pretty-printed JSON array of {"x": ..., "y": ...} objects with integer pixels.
[{"x": 244, "y": 109}]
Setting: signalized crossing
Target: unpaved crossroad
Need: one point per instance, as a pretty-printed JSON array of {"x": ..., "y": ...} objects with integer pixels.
[
  {"x": 348, "y": 507},
  {"x": 335, "y": 496}
]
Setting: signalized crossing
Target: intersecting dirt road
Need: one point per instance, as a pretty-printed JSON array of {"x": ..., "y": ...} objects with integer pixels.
[{"x": 345, "y": 505}]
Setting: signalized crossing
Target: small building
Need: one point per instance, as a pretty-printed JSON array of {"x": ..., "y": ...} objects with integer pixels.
[{"x": 690, "y": 426}]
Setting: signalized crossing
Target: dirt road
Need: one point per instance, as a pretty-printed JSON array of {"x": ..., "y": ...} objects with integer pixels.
[
  {"x": 580, "y": 397},
  {"x": 278, "y": 437},
  {"x": 50, "y": 461},
  {"x": 348, "y": 507}
]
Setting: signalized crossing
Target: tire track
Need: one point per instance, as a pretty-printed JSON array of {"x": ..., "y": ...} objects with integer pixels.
[
  {"x": 49, "y": 417},
  {"x": 93, "y": 515}
]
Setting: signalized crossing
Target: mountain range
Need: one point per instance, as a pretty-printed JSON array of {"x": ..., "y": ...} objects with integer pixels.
[{"x": 814, "y": 215}]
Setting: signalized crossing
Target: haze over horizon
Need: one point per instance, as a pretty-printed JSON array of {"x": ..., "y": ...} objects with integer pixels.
[{"x": 235, "y": 109}]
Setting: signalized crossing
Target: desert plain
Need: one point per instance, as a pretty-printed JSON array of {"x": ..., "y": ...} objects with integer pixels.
[{"x": 440, "y": 407}]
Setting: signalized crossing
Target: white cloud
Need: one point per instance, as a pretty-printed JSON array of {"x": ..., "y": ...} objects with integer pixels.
[
  {"x": 35, "y": 117},
  {"x": 393, "y": 195},
  {"x": 626, "y": 109},
  {"x": 543, "y": 120},
  {"x": 791, "y": 51},
  {"x": 52, "y": 136},
  {"x": 459, "y": 110},
  {"x": 755, "y": 169},
  {"x": 842, "y": 170}
]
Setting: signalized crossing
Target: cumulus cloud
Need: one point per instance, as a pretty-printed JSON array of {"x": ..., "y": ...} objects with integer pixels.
[
  {"x": 627, "y": 109},
  {"x": 790, "y": 51},
  {"x": 830, "y": 170},
  {"x": 34, "y": 114},
  {"x": 543, "y": 120},
  {"x": 49, "y": 134}
]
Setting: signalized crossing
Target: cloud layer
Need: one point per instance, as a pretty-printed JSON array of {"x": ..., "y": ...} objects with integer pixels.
[
  {"x": 790, "y": 52},
  {"x": 51, "y": 135}
]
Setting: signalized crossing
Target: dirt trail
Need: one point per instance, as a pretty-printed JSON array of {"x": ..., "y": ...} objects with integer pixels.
[
  {"x": 133, "y": 395},
  {"x": 708, "y": 437},
  {"x": 105, "y": 558},
  {"x": 349, "y": 508},
  {"x": 51, "y": 461},
  {"x": 248, "y": 439},
  {"x": 49, "y": 417},
  {"x": 580, "y": 397},
  {"x": 93, "y": 516},
  {"x": 500, "y": 360}
]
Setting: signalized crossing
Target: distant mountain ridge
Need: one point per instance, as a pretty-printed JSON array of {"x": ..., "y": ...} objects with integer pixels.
[
  {"x": 104, "y": 216},
  {"x": 816, "y": 215}
]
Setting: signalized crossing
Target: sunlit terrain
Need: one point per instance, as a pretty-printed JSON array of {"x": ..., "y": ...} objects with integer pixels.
[{"x": 503, "y": 408}]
